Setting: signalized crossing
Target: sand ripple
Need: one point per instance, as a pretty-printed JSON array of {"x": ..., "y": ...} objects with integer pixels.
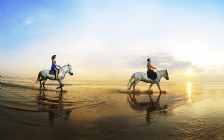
[{"x": 198, "y": 129}]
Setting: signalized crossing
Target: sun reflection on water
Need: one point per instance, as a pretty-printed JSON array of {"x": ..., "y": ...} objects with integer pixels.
[{"x": 189, "y": 91}]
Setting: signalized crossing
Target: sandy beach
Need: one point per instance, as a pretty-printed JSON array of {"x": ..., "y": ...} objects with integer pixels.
[
  {"x": 105, "y": 110},
  {"x": 98, "y": 47}
]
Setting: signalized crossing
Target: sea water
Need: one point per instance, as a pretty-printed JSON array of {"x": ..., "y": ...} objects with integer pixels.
[{"x": 106, "y": 110}]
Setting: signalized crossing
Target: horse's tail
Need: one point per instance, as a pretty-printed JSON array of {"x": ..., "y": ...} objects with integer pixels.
[
  {"x": 130, "y": 79},
  {"x": 38, "y": 78}
]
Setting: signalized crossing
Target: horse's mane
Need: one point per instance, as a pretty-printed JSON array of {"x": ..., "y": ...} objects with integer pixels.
[{"x": 66, "y": 65}]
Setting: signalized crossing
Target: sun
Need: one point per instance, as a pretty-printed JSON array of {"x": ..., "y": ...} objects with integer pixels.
[{"x": 189, "y": 72}]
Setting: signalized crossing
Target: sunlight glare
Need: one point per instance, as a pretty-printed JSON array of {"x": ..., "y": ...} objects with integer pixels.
[
  {"x": 189, "y": 72},
  {"x": 189, "y": 91}
]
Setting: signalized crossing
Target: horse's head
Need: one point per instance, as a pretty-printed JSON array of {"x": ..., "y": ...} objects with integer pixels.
[
  {"x": 70, "y": 69},
  {"x": 166, "y": 75}
]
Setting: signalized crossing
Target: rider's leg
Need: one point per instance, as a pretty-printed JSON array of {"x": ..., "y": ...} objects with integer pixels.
[{"x": 56, "y": 73}]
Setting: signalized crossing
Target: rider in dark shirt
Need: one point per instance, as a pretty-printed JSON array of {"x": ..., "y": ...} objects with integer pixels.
[
  {"x": 149, "y": 65},
  {"x": 150, "y": 68}
]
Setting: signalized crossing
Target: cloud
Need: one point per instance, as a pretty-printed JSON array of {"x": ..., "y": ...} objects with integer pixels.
[
  {"x": 28, "y": 21},
  {"x": 160, "y": 61}
]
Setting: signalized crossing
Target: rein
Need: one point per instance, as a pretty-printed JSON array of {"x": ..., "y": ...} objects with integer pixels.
[
  {"x": 63, "y": 71},
  {"x": 160, "y": 73},
  {"x": 163, "y": 75}
]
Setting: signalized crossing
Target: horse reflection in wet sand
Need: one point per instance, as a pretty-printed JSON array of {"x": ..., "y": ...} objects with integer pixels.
[
  {"x": 140, "y": 76},
  {"x": 150, "y": 106},
  {"x": 55, "y": 107}
]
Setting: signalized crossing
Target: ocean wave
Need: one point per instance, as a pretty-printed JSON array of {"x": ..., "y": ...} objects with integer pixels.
[{"x": 19, "y": 86}]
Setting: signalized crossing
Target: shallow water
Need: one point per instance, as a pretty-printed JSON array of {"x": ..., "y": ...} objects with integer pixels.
[{"x": 105, "y": 110}]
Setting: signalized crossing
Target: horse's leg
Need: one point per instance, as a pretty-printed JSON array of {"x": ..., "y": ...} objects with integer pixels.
[
  {"x": 60, "y": 84},
  {"x": 44, "y": 83},
  {"x": 135, "y": 83},
  {"x": 158, "y": 85},
  {"x": 131, "y": 85},
  {"x": 150, "y": 85},
  {"x": 41, "y": 83}
]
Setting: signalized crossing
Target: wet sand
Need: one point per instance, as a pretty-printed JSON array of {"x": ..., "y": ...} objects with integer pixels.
[{"x": 107, "y": 111}]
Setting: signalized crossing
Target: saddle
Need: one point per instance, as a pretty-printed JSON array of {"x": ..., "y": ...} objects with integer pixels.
[
  {"x": 52, "y": 72},
  {"x": 151, "y": 74}
]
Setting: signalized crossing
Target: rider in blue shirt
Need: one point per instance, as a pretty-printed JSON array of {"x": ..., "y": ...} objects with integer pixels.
[{"x": 54, "y": 66}]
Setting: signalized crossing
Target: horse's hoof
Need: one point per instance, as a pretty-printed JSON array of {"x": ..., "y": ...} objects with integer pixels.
[{"x": 149, "y": 91}]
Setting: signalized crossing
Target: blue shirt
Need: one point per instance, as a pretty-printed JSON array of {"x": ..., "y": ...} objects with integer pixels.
[{"x": 53, "y": 66}]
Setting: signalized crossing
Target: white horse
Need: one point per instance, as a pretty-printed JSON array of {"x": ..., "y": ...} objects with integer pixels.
[
  {"x": 140, "y": 76},
  {"x": 45, "y": 74}
]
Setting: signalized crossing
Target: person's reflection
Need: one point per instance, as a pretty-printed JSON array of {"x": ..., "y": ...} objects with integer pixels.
[
  {"x": 150, "y": 106},
  {"x": 55, "y": 107}
]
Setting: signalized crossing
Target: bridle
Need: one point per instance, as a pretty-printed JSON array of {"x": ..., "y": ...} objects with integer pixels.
[
  {"x": 162, "y": 74},
  {"x": 63, "y": 70}
]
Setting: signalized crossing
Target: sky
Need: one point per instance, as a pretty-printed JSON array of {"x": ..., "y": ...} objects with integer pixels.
[{"x": 112, "y": 39}]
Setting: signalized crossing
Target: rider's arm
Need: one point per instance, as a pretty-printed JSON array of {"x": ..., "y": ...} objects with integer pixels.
[
  {"x": 152, "y": 66},
  {"x": 58, "y": 66}
]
